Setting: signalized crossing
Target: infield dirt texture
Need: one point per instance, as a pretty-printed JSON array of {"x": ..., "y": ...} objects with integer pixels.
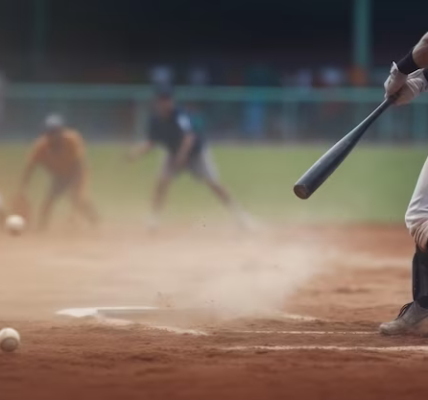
[{"x": 292, "y": 309}]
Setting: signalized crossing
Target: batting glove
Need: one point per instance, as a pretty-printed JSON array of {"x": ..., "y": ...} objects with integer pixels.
[
  {"x": 415, "y": 84},
  {"x": 395, "y": 81}
]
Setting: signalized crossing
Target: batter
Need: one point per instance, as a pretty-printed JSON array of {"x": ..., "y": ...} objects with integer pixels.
[{"x": 410, "y": 77}]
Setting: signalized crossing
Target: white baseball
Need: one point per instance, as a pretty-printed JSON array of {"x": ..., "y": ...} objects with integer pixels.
[
  {"x": 15, "y": 224},
  {"x": 9, "y": 340}
]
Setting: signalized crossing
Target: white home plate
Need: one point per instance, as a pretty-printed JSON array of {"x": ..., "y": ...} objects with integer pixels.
[
  {"x": 165, "y": 313},
  {"x": 107, "y": 311},
  {"x": 296, "y": 317},
  {"x": 175, "y": 320},
  {"x": 142, "y": 313},
  {"x": 118, "y": 316}
]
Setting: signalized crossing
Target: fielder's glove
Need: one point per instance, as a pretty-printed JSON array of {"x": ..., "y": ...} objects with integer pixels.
[{"x": 410, "y": 86}]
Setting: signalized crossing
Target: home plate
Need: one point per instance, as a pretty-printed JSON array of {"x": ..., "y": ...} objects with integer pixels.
[
  {"x": 107, "y": 311},
  {"x": 303, "y": 318},
  {"x": 146, "y": 315},
  {"x": 165, "y": 314}
]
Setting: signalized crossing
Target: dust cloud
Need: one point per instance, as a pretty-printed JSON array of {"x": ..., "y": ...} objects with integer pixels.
[
  {"x": 235, "y": 274},
  {"x": 224, "y": 270}
]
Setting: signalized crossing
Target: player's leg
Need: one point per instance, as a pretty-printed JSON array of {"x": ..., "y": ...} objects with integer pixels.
[
  {"x": 160, "y": 192},
  {"x": 56, "y": 190},
  {"x": 81, "y": 202},
  {"x": 413, "y": 314},
  {"x": 202, "y": 167}
]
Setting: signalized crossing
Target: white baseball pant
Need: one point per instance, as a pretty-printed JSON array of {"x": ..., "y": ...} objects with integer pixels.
[{"x": 417, "y": 212}]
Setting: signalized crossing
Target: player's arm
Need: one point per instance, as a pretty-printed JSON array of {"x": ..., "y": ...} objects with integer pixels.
[
  {"x": 143, "y": 148},
  {"x": 187, "y": 143},
  {"x": 420, "y": 52},
  {"x": 184, "y": 150},
  {"x": 29, "y": 169},
  {"x": 410, "y": 74},
  {"x": 78, "y": 149}
]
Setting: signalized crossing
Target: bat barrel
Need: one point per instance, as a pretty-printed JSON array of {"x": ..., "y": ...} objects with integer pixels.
[
  {"x": 301, "y": 191},
  {"x": 326, "y": 165},
  {"x": 331, "y": 160}
]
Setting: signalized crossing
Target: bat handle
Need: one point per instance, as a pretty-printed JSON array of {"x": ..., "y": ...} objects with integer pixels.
[{"x": 393, "y": 98}]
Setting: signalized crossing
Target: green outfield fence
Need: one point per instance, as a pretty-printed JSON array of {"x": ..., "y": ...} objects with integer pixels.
[{"x": 114, "y": 112}]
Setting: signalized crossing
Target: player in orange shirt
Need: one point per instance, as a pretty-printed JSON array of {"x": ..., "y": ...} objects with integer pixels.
[{"x": 61, "y": 152}]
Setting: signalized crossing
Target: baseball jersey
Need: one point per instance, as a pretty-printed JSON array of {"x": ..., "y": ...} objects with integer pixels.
[
  {"x": 169, "y": 132},
  {"x": 61, "y": 160}
]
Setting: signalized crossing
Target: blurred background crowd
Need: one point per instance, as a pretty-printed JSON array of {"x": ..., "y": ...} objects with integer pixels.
[
  {"x": 304, "y": 43},
  {"x": 284, "y": 54}
]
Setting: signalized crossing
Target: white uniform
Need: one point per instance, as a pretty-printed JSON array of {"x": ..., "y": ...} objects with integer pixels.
[
  {"x": 417, "y": 212},
  {"x": 414, "y": 313},
  {"x": 410, "y": 87}
]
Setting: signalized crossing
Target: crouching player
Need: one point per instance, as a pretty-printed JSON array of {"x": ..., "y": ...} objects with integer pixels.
[
  {"x": 410, "y": 77},
  {"x": 186, "y": 150},
  {"x": 61, "y": 152}
]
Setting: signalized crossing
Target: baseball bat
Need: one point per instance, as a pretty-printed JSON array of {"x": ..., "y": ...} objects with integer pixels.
[{"x": 330, "y": 161}]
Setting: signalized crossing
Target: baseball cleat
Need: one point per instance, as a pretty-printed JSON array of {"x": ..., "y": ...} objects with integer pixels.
[{"x": 408, "y": 320}]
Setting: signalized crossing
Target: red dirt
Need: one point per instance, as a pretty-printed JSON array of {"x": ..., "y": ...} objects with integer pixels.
[{"x": 350, "y": 278}]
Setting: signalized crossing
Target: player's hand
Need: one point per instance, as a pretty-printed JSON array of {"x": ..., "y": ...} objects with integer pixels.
[
  {"x": 139, "y": 151},
  {"x": 180, "y": 163},
  {"x": 415, "y": 84},
  {"x": 395, "y": 81}
]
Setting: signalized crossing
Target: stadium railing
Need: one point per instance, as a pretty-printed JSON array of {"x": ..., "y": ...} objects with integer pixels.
[{"x": 293, "y": 114}]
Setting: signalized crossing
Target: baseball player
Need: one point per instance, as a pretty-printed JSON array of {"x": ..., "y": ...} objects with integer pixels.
[
  {"x": 61, "y": 152},
  {"x": 186, "y": 150},
  {"x": 410, "y": 77}
]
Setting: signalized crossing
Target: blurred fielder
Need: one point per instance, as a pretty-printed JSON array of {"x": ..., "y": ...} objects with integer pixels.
[
  {"x": 410, "y": 77},
  {"x": 186, "y": 150},
  {"x": 61, "y": 152}
]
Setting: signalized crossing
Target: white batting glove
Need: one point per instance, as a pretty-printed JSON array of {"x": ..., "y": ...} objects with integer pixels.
[
  {"x": 415, "y": 84},
  {"x": 395, "y": 81}
]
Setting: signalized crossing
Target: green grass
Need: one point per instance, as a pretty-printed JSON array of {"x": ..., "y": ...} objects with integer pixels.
[{"x": 373, "y": 184}]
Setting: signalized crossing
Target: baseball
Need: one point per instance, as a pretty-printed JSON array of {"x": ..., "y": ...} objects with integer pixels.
[
  {"x": 15, "y": 224},
  {"x": 9, "y": 340}
]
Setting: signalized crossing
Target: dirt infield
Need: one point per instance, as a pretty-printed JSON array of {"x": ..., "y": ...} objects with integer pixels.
[{"x": 249, "y": 341}]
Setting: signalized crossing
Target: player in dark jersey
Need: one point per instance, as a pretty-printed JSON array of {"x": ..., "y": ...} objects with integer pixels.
[{"x": 186, "y": 150}]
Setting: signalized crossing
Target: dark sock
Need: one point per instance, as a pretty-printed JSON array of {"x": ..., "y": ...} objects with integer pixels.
[
  {"x": 423, "y": 302},
  {"x": 420, "y": 278}
]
